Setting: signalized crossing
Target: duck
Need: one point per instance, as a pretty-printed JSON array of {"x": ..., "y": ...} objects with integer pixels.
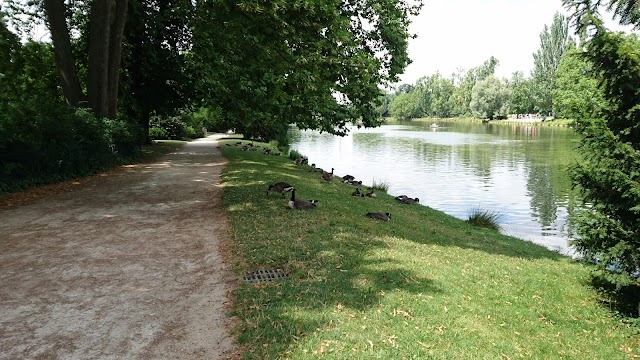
[
  {"x": 379, "y": 215},
  {"x": 328, "y": 176},
  {"x": 357, "y": 193},
  {"x": 410, "y": 200},
  {"x": 300, "y": 204},
  {"x": 371, "y": 193},
  {"x": 280, "y": 187}
]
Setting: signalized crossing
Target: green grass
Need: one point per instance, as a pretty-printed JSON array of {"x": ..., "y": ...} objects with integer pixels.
[
  {"x": 380, "y": 185},
  {"x": 423, "y": 285},
  {"x": 484, "y": 218}
]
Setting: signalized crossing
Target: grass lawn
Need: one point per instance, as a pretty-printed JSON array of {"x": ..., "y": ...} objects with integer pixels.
[{"x": 423, "y": 285}]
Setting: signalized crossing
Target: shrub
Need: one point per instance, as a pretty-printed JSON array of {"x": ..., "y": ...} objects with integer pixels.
[
  {"x": 192, "y": 132},
  {"x": 484, "y": 218},
  {"x": 175, "y": 128},
  {"x": 293, "y": 155},
  {"x": 157, "y": 133},
  {"x": 124, "y": 136}
]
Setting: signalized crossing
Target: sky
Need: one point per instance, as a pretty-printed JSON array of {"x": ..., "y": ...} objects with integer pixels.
[{"x": 455, "y": 34}]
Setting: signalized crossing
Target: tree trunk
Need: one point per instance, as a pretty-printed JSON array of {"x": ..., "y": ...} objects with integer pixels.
[
  {"x": 99, "y": 35},
  {"x": 115, "y": 55},
  {"x": 62, "y": 50},
  {"x": 143, "y": 121}
]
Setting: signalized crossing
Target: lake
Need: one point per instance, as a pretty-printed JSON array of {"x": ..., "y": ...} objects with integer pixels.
[{"x": 518, "y": 170}]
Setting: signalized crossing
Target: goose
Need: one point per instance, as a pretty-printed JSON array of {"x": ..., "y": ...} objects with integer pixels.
[
  {"x": 371, "y": 193},
  {"x": 280, "y": 187},
  {"x": 357, "y": 193},
  {"x": 328, "y": 176},
  {"x": 300, "y": 204},
  {"x": 401, "y": 198},
  {"x": 410, "y": 200},
  {"x": 348, "y": 178},
  {"x": 379, "y": 215},
  {"x": 355, "y": 183}
]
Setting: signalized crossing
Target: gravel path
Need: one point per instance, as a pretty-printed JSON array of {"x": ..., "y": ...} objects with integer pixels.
[{"x": 128, "y": 266}]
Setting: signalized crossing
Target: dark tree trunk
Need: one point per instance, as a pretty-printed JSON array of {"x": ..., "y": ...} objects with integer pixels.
[
  {"x": 99, "y": 35},
  {"x": 144, "y": 120},
  {"x": 62, "y": 49},
  {"x": 115, "y": 55}
]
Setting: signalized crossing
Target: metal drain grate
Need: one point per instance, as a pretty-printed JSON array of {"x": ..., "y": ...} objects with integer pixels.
[{"x": 264, "y": 275}]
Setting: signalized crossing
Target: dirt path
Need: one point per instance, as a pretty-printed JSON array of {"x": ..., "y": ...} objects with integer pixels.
[{"x": 127, "y": 267}]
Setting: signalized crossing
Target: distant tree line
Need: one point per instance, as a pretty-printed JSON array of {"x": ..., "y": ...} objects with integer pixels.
[{"x": 559, "y": 85}]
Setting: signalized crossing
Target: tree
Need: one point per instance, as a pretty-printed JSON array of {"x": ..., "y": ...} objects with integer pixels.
[
  {"x": 434, "y": 94},
  {"x": 554, "y": 42},
  {"x": 406, "y": 106},
  {"x": 155, "y": 78},
  {"x": 316, "y": 64},
  {"x": 490, "y": 98},
  {"x": 106, "y": 27},
  {"x": 465, "y": 82},
  {"x": 521, "y": 101},
  {"x": 608, "y": 177},
  {"x": 576, "y": 92}
]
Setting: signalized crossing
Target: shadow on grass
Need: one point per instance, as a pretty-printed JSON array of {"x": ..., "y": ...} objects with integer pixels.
[
  {"x": 324, "y": 273},
  {"x": 334, "y": 256}
]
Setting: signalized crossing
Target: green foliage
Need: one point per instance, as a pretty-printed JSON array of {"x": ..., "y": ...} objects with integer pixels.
[
  {"x": 158, "y": 133},
  {"x": 576, "y": 94},
  {"x": 521, "y": 101},
  {"x": 43, "y": 140},
  {"x": 406, "y": 106},
  {"x": 434, "y": 94},
  {"x": 174, "y": 127},
  {"x": 155, "y": 65},
  {"x": 315, "y": 64},
  {"x": 484, "y": 218},
  {"x": 490, "y": 98},
  {"x": 294, "y": 155},
  {"x": 554, "y": 42},
  {"x": 609, "y": 177}
]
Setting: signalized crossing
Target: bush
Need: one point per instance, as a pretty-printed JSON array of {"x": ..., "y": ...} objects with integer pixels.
[
  {"x": 157, "y": 133},
  {"x": 294, "y": 155},
  {"x": 174, "y": 127},
  {"x": 194, "y": 132}
]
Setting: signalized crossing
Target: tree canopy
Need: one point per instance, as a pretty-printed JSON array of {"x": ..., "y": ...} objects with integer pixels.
[
  {"x": 490, "y": 98},
  {"x": 316, "y": 64}
]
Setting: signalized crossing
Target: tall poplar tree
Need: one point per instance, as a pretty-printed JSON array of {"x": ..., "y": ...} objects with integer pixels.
[{"x": 554, "y": 42}]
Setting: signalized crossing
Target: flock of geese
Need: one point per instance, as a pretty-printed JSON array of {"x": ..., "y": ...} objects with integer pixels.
[{"x": 302, "y": 204}]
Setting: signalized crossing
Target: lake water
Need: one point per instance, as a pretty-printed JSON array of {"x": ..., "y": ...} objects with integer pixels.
[{"x": 517, "y": 170}]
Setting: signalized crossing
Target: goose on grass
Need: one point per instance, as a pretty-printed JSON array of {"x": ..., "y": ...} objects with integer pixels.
[
  {"x": 280, "y": 187},
  {"x": 384, "y": 216},
  {"x": 301, "y": 204}
]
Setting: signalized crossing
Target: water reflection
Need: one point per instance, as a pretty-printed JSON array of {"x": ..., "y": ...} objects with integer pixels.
[{"x": 518, "y": 170}]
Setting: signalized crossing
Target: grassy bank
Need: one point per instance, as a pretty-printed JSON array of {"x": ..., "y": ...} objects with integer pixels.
[{"x": 423, "y": 285}]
